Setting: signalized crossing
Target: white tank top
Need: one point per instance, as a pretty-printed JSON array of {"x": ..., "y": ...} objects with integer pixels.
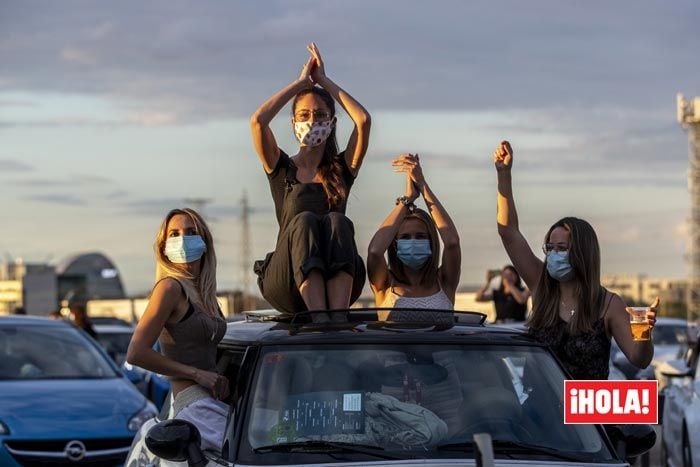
[{"x": 403, "y": 305}]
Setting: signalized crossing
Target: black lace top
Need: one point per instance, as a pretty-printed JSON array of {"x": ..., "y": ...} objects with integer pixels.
[{"x": 585, "y": 355}]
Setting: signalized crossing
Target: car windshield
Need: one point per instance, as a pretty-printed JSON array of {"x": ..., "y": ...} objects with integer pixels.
[
  {"x": 115, "y": 344},
  {"x": 668, "y": 334},
  {"x": 49, "y": 352},
  {"x": 412, "y": 401}
]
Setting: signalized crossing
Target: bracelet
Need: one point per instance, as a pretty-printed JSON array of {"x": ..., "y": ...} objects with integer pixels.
[{"x": 406, "y": 201}]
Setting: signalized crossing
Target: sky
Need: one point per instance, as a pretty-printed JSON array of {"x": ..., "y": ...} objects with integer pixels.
[{"x": 112, "y": 113}]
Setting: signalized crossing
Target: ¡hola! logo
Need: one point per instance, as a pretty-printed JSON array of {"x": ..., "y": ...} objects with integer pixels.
[{"x": 627, "y": 402}]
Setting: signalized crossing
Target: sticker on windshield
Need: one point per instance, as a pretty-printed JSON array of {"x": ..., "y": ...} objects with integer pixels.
[
  {"x": 324, "y": 413},
  {"x": 352, "y": 402}
]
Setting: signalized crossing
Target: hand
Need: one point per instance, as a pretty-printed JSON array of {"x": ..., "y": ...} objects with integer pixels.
[
  {"x": 410, "y": 164},
  {"x": 489, "y": 275},
  {"x": 503, "y": 157},
  {"x": 651, "y": 312},
  {"x": 214, "y": 381},
  {"x": 412, "y": 192},
  {"x": 507, "y": 285},
  {"x": 305, "y": 75},
  {"x": 318, "y": 72}
]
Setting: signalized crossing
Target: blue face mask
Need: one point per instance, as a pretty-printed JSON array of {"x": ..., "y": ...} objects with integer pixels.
[
  {"x": 413, "y": 252},
  {"x": 184, "y": 249},
  {"x": 558, "y": 266}
]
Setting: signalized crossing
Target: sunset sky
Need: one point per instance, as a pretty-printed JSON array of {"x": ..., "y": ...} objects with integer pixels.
[{"x": 113, "y": 113}]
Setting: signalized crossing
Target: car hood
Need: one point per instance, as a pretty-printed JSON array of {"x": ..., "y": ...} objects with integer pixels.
[{"x": 58, "y": 407}]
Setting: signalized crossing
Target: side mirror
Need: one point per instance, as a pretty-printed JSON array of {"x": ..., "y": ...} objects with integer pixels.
[
  {"x": 176, "y": 440},
  {"x": 631, "y": 440}
]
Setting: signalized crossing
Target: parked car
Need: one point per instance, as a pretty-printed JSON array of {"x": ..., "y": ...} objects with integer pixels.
[
  {"x": 62, "y": 399},
  {"x": 669, "y": 338},
  {"x": 115, "y": 339},
  {"x": 368, "y": 392},
  {"x": 680, "y": 428}
]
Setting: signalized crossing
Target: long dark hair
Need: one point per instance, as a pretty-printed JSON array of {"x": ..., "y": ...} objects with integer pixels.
[
  {"x": 584, "y": 257},
  {"x": 429, "y": 270},
  {"x": 330, "y": 169}
]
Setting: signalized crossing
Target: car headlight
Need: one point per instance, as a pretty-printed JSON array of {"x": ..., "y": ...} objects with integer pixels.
[
  {"x": 3, "y": 429},
  {"x": 141, "y": 417}
]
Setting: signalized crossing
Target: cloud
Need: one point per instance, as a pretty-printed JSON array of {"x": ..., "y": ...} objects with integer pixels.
[
  {"x": 205, "y": 61},
  {"x": 79, "y": 56},
  {"x": 56, "y": 198},
  {"x": 11, "y": 165},
  {"x": 72, "y": 181}
]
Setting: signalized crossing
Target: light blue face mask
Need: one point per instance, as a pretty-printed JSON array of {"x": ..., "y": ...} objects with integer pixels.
[
  {"x": 558, "y": 266},
  {"x": 413, "y": 252},
  {"x": 184, "y": 249}
]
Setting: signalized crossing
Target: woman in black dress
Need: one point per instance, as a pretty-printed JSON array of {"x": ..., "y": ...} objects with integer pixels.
[{"x": 315, "y": 265}]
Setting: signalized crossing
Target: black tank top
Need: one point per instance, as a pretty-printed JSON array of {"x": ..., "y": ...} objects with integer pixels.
[
  {"x": 292, "y": 197},
  {"x": 585, "y": 355}
]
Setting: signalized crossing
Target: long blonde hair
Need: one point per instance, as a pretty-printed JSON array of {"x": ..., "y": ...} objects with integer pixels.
[{"x": 199, "y": 291}]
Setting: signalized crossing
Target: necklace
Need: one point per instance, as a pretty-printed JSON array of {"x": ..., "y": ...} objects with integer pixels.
[{"x": 571, "y": 310}]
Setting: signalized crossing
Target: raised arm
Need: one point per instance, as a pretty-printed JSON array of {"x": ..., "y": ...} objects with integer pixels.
[
  {"x": 161, "y": 306},
  {"x": 527, "y": 264},
  {"x": 451, "y": 264},
  {"x": 485, "y": 293},
  {"x": 263, "y": 138},
  {"x": 377, "y": 268},
  {"x": 359, "y": 139}
]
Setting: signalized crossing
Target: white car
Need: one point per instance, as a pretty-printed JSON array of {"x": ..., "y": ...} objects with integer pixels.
[
  {"x": 374, "y": 393},
  {"x": 680, "y": 428}
]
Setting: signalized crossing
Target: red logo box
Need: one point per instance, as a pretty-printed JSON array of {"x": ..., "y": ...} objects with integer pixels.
[{"x": 623, "y": 402}]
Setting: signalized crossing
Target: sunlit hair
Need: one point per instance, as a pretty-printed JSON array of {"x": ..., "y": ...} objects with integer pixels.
[
  {"x": 330, "y": 169},
  {"x": 584, "y": 257},
  {"x": 429, "y": 270},
  {"x": 200, "y": 291}
]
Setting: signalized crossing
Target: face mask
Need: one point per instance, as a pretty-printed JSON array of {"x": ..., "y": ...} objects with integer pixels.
[
  {"x": 313, "y": 133},
  {"x": 184, "y": 249},
  {"x": 558, "y": 266},
  {"x": 413, "y": 253}
]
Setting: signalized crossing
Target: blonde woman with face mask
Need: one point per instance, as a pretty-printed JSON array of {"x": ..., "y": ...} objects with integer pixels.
[
  {"x": 184, "y": 316},
  {"x": 315, "y": 265}
]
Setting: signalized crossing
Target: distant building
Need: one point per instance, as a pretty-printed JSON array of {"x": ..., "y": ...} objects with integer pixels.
[
  {"x": 30, "y": 286},
  {"x": 638, "y": 289},
  {"x": 88, "y": 276}
]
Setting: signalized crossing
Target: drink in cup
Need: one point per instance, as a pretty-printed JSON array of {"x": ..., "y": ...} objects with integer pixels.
[{"x": 641, "y": 331}]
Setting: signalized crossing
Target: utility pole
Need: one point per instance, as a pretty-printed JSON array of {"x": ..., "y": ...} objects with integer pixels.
[
  {"x": 246, "y": 263},
  {"x": 689, "y": 118}
]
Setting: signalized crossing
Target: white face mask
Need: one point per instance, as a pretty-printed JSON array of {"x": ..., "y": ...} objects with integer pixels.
[{"x": 313, "y": 133}]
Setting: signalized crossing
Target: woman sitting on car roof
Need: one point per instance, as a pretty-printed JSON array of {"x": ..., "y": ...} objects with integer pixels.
[{"x": 413, "y": 277}]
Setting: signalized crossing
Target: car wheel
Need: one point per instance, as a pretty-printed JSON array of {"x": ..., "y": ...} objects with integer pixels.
[{"x": 687, "y": 456}]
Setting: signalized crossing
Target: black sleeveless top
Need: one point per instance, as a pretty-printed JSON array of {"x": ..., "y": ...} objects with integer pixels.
[
  {"x": 585, "y": 355},
  {"x": 292, "y": 197}
]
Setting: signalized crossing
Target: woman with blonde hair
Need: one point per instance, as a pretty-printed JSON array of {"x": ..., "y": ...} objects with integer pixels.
[
  {"x": 184, "y": 316},
  {"x": 415, "y": 274}
]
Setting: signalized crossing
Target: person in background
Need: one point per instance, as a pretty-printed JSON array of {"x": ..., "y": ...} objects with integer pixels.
[
  {"x": 508, "y": 293},
  {"x": 78, "y": 316}
]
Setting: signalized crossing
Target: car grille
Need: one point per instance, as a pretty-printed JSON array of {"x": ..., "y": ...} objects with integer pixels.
[{"x": 96, "y": 452}]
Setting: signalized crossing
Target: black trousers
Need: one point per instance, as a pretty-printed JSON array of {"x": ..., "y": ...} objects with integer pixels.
[{"x": 325, "y": 243}]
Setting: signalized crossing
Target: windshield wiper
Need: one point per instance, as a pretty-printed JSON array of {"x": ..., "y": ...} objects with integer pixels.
[
  {"x": 327, "y": 446},
  {"x": 509, "y": 447}
]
